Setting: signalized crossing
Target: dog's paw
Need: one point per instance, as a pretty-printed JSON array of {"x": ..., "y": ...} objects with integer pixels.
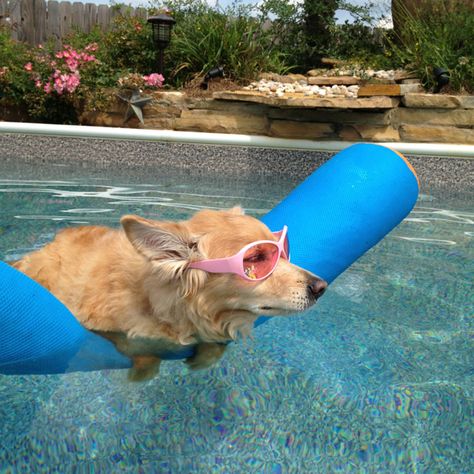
[
  {"x": 144, "y": 368},
  {"x": 207, "y": 354}
]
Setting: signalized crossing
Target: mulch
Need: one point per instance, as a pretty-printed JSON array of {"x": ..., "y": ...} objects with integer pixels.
[{"x": 193, "y": 88}]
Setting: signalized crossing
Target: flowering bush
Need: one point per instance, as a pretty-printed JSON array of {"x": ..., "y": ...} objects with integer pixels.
[
  {"x": 60, "y": 73},
  {"x": 56, "y": 79}
]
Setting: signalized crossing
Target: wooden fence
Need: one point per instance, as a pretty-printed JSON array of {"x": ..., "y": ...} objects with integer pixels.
[{"x": 35, "y": 21}]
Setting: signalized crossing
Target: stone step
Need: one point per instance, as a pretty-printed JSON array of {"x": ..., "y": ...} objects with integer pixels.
[
  {"x": 298, "y": 100},
  {"x": 370, "y": 90},
  {"x": 333, "y": 80}
]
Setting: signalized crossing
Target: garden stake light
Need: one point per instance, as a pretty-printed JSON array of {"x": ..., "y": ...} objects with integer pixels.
[
  {"x": 441, "y": 76},
  {"x": 161, "y": 25},
  {"x": 213, "y": 73}
]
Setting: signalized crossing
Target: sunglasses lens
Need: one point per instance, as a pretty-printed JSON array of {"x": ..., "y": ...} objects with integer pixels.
[{"x": 260, "y": 260}]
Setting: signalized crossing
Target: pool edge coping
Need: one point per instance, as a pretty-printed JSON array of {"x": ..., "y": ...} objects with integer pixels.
[{"x": 444, "y": 150}]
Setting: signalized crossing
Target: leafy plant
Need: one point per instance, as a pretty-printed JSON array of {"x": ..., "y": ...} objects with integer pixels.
[
  {"x": 440, "y": 37},
  {"x": 14, "y": 80}
]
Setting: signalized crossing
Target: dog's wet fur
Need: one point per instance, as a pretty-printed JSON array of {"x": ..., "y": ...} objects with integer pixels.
[{"x": 133, "y": 285}]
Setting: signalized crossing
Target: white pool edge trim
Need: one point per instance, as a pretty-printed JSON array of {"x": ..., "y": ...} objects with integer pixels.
[{"x": 203, "y": 138}]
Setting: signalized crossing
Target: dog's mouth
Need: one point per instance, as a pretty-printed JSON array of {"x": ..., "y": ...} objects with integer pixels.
[{"x": 275, "y": 311}]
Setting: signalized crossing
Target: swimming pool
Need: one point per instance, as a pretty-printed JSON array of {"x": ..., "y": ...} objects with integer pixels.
[{"x": 376, "y": 378}]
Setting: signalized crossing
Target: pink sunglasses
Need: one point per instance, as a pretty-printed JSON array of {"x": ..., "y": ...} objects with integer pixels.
[{"x": 254, "y": 262}]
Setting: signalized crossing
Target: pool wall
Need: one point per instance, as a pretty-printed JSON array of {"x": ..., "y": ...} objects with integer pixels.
[{"x": 201, "y": 158}]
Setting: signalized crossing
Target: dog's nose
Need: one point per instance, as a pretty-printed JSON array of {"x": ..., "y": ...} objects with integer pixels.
[{"x": 317, "y": 287}]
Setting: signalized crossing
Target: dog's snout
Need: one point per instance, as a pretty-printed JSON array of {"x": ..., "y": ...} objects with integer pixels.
[{"x": 316, "y": 287}]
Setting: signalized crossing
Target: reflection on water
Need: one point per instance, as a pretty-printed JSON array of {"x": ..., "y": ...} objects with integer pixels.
[{"x": 376, "y": 378}]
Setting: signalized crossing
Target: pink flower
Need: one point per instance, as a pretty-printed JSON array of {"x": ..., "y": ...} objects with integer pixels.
[
  {"x": 58, "y": 85},
  {"x": 72, "y": 82},
  {"x": 72, "y": 64},
  {"x": 154, "y": 80},
  {"x": 28, "y": 67},
  {"x": 38, "y": 84},
  {"x": 47, "y": 88},
  {"x": 88, "y": 58}
]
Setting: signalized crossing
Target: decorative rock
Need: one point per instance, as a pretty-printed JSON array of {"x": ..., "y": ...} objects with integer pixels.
[
  {"x": 169, "y": 97},
  {"x": 375, "y": 133},
  {"x": 450, "y": 118},
  {"x": 221, "y": 122},
  {"x": 271, "y": 87},
  {"x": 302, "y": 130}
]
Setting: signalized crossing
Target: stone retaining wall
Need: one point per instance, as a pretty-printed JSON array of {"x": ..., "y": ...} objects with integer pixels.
[{"x": 412, "y": 117}]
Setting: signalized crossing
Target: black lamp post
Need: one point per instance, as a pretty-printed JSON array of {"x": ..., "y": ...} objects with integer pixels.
[{"x": 162, "y": 25}]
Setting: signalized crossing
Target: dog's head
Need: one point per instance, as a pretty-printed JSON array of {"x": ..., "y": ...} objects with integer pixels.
[{"x": 219, "y": 305}]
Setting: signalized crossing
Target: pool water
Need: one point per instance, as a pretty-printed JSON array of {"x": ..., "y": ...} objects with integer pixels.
[{"x": 378, "y": 377}]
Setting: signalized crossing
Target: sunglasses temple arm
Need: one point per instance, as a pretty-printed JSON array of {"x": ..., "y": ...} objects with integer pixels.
[{"x": 218, "y": 265}]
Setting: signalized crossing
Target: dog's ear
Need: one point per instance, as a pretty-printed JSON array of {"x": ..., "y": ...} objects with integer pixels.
[{"x": 159, "y": 241}]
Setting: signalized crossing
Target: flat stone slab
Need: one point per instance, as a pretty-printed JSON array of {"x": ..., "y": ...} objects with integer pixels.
[
  {"x": 333, "y": 80},
  {"x": 370, "y": 90},
  {"x": 438, "y": 101},
  {"x": 299, "y": 100},
  {"x": 436, "y": 134}
]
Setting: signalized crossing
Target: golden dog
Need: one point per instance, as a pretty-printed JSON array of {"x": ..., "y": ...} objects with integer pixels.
[{"x": 134, "y": 285}]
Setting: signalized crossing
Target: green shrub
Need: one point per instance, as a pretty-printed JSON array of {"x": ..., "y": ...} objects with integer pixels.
[
  {"x": 438, "y": 38},
  {"x": 14, "y": 80}
]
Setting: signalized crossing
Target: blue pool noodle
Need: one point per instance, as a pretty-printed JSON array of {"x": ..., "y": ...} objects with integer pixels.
[{"x": 338, "y": 213}]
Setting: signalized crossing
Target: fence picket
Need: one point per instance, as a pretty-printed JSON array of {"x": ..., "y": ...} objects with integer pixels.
[
  {"x": 78, "y": 16},
  {"x": 15, "y": 20},
  {"x": 103, "y": 17},
  {"x": 65, "y": 19},
  {"x": 53, "y": 28},
  {"x": 90, "y": 17},
  {"x": 3, "y": 12},
  {"x": 39, "y": 21}
]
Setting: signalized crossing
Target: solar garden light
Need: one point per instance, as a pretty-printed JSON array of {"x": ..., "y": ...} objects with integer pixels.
[{"x": 161, "y": 25}]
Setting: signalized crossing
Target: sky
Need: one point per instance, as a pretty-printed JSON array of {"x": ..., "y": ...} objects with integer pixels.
[{"x": 381, "y": 6}]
